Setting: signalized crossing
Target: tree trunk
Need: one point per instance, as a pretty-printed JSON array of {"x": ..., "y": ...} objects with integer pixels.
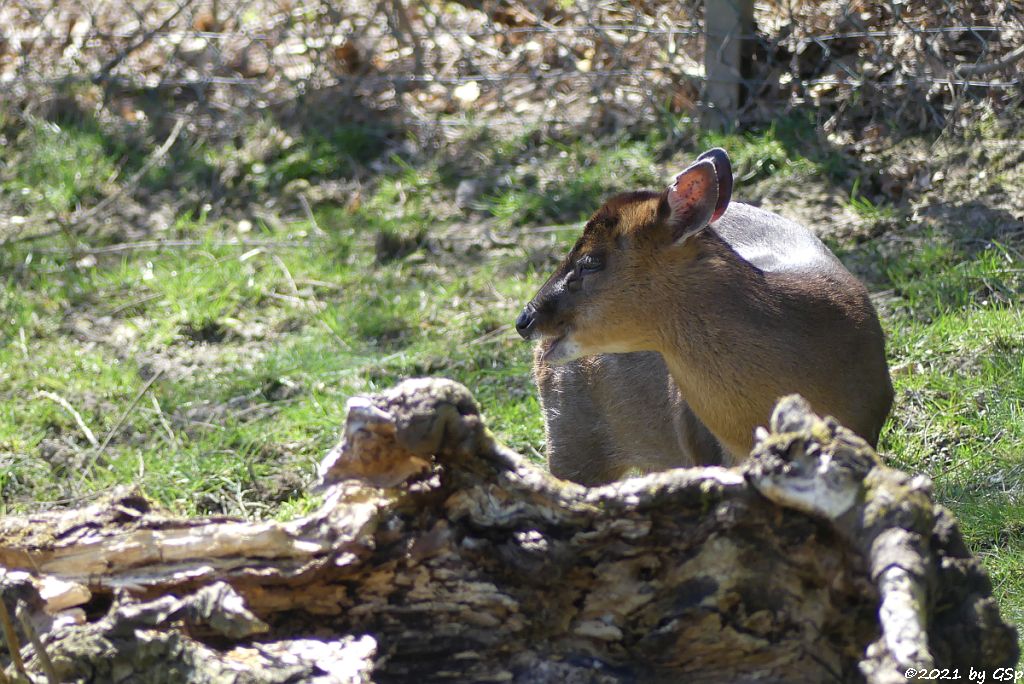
[{"x": 439, "y": 555}]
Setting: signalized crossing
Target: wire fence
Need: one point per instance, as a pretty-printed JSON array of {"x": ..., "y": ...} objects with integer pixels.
[
  {"x": 920, "y": 64},
  {"x": 165, "y": 70}
]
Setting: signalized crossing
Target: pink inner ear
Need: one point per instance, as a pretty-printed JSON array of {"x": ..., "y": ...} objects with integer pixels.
[
  {"x": 723, "y": 171},
  {"x": 695, "y": 190}
]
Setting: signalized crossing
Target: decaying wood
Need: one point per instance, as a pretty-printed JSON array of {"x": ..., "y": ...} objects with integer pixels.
[{"x": 439, "y": 555}]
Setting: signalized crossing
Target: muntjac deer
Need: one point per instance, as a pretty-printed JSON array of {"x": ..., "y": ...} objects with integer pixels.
[{"x": 678, "y": 319}]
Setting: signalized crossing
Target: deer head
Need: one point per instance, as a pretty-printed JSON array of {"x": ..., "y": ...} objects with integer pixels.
[{"x": 603, "y": 297}]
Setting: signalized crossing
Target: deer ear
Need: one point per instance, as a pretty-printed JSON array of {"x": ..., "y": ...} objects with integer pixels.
[
  {"x": 692, "y": 200},
  {"x": 723, "y": 170}
]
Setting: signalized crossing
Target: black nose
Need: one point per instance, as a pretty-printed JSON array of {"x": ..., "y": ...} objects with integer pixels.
[{"x": 524, "y": 324}]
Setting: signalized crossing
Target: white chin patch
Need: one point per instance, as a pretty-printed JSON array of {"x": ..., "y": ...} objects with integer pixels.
[{"x": 562, "y": 351}]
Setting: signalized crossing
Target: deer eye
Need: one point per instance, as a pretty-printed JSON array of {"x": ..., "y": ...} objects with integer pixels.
[{"x": 589, "y": 264}]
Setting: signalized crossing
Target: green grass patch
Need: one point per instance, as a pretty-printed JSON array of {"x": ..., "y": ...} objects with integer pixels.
[
  {"x": 254, "y": 353},
  {"x": 956, "y": 344},
  {"x": 57, "y": 168},
  {"x": 755, "y": 156},
  {"x": 866, "y": 208},
  {"x": 538, "y": 179},
  {"x": 72, "y": 161}
]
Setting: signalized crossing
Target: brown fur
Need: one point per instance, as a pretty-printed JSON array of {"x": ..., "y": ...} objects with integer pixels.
[
  {"x": 732, "y": 339},
  {"x": 610, "y": 414}
]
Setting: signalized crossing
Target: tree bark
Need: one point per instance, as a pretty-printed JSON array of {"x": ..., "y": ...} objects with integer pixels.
[{"x": 440, "y": 555}]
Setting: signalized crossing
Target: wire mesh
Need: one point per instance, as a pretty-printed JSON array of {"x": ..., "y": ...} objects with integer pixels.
[{"x": 596, "y": 62}]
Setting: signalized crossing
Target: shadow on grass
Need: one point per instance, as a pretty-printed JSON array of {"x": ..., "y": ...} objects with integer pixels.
[{"x": 69, "y": 154}]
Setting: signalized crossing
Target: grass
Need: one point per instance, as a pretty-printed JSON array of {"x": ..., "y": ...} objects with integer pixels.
[
  {"x": 256, "y": 371},
  {"x": 66, "y": 167},
  {"x": 956, "y": 341},
  {"x": 255, "y": 351},
  {"x": 867, "y": 209}
]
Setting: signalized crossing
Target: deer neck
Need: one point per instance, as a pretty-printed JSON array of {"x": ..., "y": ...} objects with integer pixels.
[{"x": 712, "y": 338}]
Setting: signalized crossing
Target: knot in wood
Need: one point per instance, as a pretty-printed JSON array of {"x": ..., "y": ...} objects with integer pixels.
[{"x": 394, "y": 436}]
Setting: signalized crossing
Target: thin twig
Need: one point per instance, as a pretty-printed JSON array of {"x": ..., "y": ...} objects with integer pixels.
[
  {"x": 379, "y": 363},
  {"x": 988, "y": 67},
  {"x": 179, "y": 244},
  {"x": 495, "y": 241},
  {"x": 13, "y": 645},
  {"x": 327, "y": 326},
  {"x": 316, "y": 303},
  {"x": 296, "y": 301},
  {"x": 132, "y": 182},
  {"x": 164, "y": 422},
  {"x": 56, "y": 398},
  {"x": 142, "y": 40},
  {"x": 83, "y": 218},
  {"x": 30, "y": 631},
  {"x": 493, "y": 335},
  {"x": 275, "y": 223},
  {"x": 312, "y": 282},
  {"x": 309, "y": 215},
  {"x": 287, "y": 274},
  {"x": 132, "y": 304},
  {"x": 557, "y": 228},
  {"x": 22, "y": 342},
  {"x": 120, "y": 421},
  {"x": 69, "y": 501},
  {"x": 18, "y": 237}
]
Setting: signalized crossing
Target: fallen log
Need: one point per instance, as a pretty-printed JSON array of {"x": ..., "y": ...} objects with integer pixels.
[{"x": 440, "y": 555}]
